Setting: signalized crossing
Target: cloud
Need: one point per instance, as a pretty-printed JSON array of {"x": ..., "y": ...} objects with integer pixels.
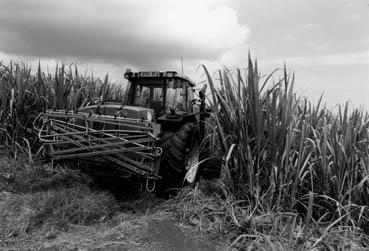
[
  {"x": 343, "y": 59},
  {"x": 290, "y": 37},
  {"x": 142, "y": 33},
  {"x": 310, "y": 27}
]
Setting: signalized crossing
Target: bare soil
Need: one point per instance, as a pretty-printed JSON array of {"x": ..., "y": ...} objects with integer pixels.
[
  {"x": 153, "y": 230},
  {"x": 140, "y": 223}
]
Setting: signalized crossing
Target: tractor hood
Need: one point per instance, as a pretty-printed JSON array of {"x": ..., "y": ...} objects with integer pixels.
[
  {"x": 137, "y": 112},
  {"x": 112, "y": 109}
]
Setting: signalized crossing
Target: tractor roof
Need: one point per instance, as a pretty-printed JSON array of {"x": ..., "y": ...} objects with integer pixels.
[{"x": 157, "y": 75}]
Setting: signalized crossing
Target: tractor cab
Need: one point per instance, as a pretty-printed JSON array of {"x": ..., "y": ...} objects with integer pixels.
[{"x": 164, "y": 92}]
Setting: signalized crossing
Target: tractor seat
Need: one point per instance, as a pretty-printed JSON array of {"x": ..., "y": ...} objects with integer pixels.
[{"x": 157, "y": 106}]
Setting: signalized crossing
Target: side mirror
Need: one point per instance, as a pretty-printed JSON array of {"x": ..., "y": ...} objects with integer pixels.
[
  {"x": 204, "y": 87},
  {"x": 203, "y": 91}
]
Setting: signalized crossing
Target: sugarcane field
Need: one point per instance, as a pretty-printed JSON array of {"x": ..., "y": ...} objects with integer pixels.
[{"x": 184, "y": 125}]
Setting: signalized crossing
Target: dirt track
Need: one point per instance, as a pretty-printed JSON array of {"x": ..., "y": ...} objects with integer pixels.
[
  {"x": 141, "y": 223},
  {"x": 157, "y": 231}
]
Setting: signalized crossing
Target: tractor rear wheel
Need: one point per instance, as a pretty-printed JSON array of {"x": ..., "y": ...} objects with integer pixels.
[{"x": 180, "y": 151}]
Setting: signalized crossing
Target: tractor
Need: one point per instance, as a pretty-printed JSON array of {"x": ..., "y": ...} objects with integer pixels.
[{"x": 153, "y": 134}]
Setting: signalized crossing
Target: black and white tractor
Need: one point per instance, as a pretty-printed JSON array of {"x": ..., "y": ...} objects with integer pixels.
[{"x": 154, "y": 133}]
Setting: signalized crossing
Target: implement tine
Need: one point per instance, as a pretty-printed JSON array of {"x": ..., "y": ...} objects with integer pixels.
[{"x": 131, "y": 146}]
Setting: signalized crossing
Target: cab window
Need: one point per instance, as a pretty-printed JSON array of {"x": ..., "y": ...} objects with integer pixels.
[
  {"x": 141, "y": 96},
  {"x": 150, "y": 96},
  {"x": 190, "y": 97},
  {"x": 176, "y": 95}
]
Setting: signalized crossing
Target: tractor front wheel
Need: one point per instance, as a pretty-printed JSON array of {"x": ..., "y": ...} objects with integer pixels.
[{"x": 180, "y": 152}]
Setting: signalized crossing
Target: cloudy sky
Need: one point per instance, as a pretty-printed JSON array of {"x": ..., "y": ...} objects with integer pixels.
[{"x": 325, "y": 42}]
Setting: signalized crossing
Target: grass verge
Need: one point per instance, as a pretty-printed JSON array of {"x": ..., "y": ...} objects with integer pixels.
[
  {"x": 211, "y": 208},
  {"x": 55, "y": 209},
  {"x": 34, "y": 198}
]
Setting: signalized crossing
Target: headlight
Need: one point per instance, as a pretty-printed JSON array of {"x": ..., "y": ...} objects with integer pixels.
[{"x": 149, "y": 116}]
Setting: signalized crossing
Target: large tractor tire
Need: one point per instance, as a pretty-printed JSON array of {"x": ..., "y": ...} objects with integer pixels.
[{"x": 180, "y": 150}]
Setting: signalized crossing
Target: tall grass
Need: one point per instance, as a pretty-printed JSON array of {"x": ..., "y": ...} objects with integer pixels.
[
  {"x": 24, "y": 93},
  {"x": 282, "y": 152}
]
